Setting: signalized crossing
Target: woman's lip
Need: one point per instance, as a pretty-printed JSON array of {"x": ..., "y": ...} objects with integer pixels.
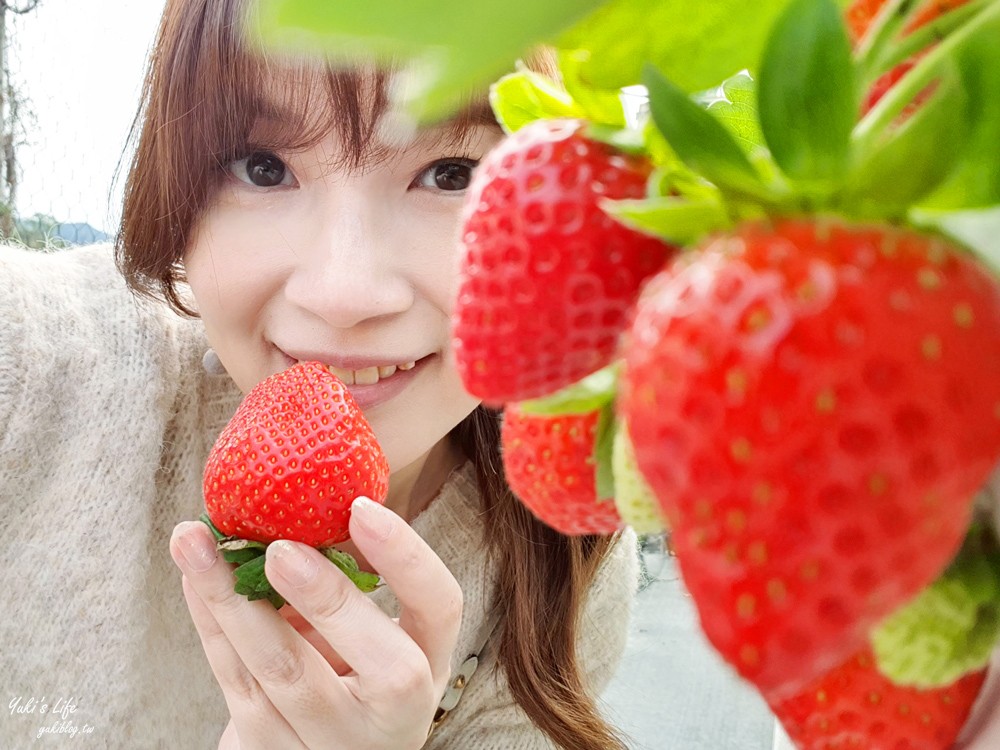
[
  {"x": 343, "y": 362},
  {"x": 368, "y": 396}
]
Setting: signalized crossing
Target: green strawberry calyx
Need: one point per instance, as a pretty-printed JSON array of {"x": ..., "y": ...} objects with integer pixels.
[
  {"x": 596, "y": 392},
  {"x": 249, "y": 556},
  {"x": 817, "y": 154},
  {"x": 952, "y": 627}
]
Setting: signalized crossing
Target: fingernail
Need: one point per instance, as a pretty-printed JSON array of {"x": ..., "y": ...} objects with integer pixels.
[
  {"x": 374, "y": 518},
  {"x": 293, "y": 564},
  {"x": 195, "y": 546}
]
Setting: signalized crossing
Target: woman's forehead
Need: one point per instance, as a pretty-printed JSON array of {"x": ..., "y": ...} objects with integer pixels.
[{"x": 309, "y": 104}]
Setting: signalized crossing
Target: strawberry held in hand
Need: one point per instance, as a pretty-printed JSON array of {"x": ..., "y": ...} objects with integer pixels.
[
  {"x": 289, "y": 464},
  {"x": 547, "y": 277}
]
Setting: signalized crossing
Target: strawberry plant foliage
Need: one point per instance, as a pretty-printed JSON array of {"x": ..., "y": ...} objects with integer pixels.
[
  {"x": 604, "y": 43},
  {"x": 478, "y": 42}
]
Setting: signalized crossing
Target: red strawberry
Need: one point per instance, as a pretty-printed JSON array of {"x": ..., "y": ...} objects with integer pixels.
[
  {"x": 550, "y": 466},
  {"x": 855, "y": 706},
  {"x": 291, "y": 461},
  {"x": 547, "y": 277},
  {"x": 859, "y": 16},
  {"x": 815, "y": 406}
]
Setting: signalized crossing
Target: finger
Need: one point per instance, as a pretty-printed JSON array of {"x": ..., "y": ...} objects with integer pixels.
[
  {"x": 251, "y": 710},
  {"x": 305, "y": 628},
  {"x": 428, "y": 593},
  {"x": 229, "y": 739},
  {"x": 291, "y": 674},
  {"x": 391, "y": 670}
]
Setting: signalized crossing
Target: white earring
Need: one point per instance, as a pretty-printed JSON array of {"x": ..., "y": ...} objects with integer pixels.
[{"x": 212, "y": 364}]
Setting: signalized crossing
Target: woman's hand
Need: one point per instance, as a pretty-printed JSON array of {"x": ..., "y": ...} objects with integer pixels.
[{"x": 375, "y": 685}]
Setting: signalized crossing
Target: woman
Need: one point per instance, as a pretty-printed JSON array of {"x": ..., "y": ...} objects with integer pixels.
[{"x": 269, "y": 199}]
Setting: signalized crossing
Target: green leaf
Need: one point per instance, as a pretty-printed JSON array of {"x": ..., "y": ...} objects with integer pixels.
[
  {"x": 735, "y": 106},
  {"x": 240, "y": 550},
  {"x": 251, "y": 582},
  {"x": 696, "y": 46},
  {"x": 599, "y": 105},
  {"x": 455, "y": 46},
  {"x": 629, "y": 140},
  {"x": 365, "y": 581},
  {"x": 914, "y": 158},
  {"x": 604, "y": 442},
  {"x": 807, "y": 92},
  {"x": 698, "y": 138},
  {"x": 590, "y": 394},
  {"x": 526, "y": 96},
  {"x": 952, "y": 627},
  {"x": 219, "y": 536},
  {"x": 975, "y": 181},
  {"x": 677, "y": 220}
]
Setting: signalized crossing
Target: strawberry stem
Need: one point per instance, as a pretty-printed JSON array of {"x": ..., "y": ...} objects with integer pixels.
[
  {"x": 887, "y": 22},
  {"x": 890, "y": 106},
  {"x": 923, "y": 38},
  {"x": 249, "y": 555}
]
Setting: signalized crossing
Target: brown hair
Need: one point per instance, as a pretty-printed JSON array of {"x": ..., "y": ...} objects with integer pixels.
[{"x": 202, "y": 93}]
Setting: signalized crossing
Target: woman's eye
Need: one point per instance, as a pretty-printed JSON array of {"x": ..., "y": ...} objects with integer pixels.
[
  {"x": 450, "y": 175},
  {"x": 262, "y": 169}
]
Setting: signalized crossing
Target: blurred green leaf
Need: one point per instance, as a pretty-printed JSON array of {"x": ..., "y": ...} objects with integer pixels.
[
  {"x": 975, "y": 182},
  {"x": 526, "y": 96},
  {"x": 807, "y": 93},
  {"x": 604, "y": 440},
  {"x": 601, "y": 106},
  {"x": 455, "y": 46},
  {"x": 587, "y": 395},
  {"x": 735, "y": 106},
  {"x": 699, "y": 139},
  {"x": 914, "y": 157},
  {"x": 696, "y": 45},
  {"x": 676, "y": 220}
]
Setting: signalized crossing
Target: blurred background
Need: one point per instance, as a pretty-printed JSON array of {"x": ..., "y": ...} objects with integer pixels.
[{"x": 70, "y": 77}]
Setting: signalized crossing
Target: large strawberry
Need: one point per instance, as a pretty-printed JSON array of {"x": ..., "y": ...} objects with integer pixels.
[
  {"x": 292, "y": 460},
  {"x": 551, "y": 466},
  {"x": 547, "y": 277},
  {"x": 855, "y": 706},
  {"x": 815, "y": 404}
]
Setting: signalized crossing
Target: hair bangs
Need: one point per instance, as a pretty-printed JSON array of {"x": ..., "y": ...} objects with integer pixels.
[{"x": 211, "y": 96}]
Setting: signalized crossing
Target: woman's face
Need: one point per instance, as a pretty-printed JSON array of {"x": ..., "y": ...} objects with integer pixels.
[{"x": 295, "y": 260}]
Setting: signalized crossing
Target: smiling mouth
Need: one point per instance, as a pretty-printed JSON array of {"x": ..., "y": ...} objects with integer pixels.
[{"x": 369, "y": 375}]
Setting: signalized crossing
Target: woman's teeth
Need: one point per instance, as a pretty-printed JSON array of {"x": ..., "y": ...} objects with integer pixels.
[{"x": 369, "y": 375}]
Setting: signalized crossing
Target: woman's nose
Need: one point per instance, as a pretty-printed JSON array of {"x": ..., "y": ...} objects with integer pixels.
[{"x": 350, "y": 273}]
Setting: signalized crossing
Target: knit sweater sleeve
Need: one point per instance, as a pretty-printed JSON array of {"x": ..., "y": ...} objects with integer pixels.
[{"x": 67, "y": 321}]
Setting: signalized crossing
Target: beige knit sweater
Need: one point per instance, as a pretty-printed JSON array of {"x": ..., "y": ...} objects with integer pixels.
[{"x": 106, "y": 417}]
